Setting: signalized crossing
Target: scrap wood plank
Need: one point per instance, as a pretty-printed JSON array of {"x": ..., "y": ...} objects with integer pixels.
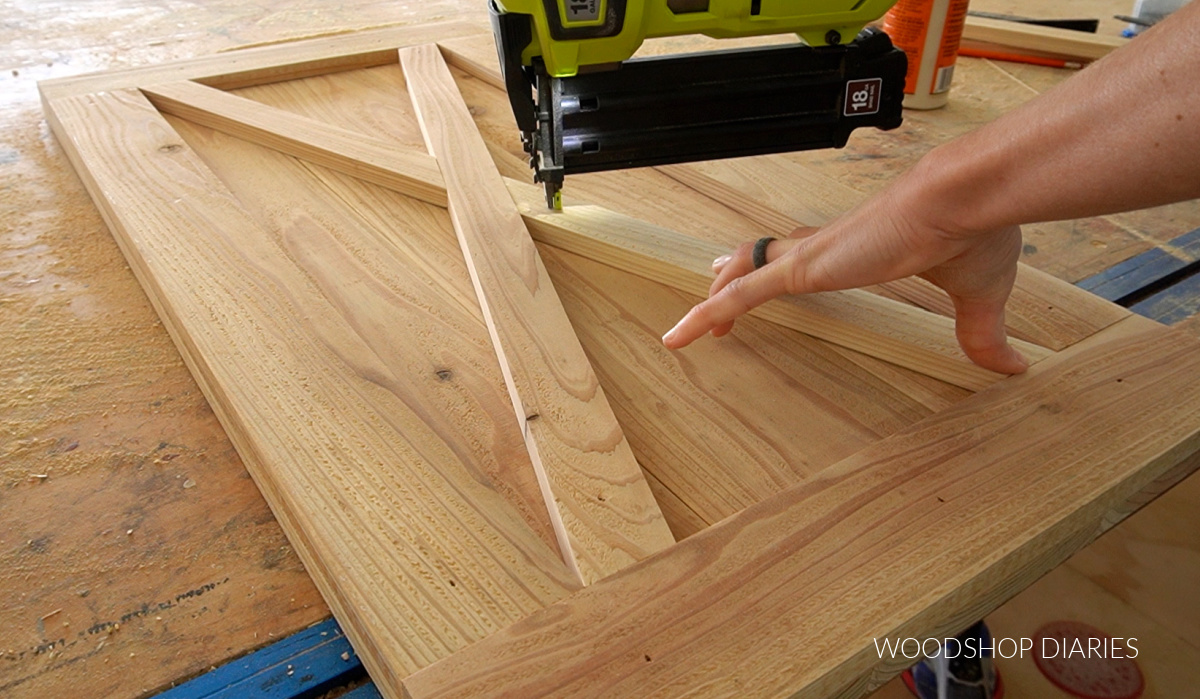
[
  {"x": 917, "y": 535},
  {"x": 1050, "y": 40},
  {"x": 375, "y": 479},
  {"x": 374, "y": 160},
  {"x": 609, "y": 517}
]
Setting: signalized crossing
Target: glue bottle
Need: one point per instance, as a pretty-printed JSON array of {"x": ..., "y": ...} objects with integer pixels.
[{"x": 928, "y": 31}]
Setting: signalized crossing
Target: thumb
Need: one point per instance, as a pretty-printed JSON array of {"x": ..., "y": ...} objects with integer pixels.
[{"x": 979, "y": 325}]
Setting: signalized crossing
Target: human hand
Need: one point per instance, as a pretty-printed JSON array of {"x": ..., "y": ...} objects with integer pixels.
[{"x": 900, "y": 232}]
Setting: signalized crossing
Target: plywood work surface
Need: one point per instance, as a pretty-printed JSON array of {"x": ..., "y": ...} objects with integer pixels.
[{"x": 134, "y": 546}]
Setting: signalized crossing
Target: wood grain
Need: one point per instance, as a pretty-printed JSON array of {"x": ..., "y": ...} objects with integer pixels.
[
  {"x": 415, "y": 174},
  {"x": 725, "y": 423},
  {"x": 416, "y": 552},
  {"x": 267, "y": 64},
  {"x": 898, "y": 333},
  {"x": 401, "y": 169},
  {"x": 609, "y": 517},
  {"x": 409, "y": 269},
  {"x": 694, "y": 419},
  {"x": 917, "y": 535},
  {"x": 372, "y": 102}
]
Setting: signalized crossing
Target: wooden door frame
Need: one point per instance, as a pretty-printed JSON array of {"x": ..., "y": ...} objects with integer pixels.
[{"x": 917, "y": 535}]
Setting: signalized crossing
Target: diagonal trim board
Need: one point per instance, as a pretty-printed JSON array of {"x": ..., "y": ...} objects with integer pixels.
[
  {"x": 385, "y": 164},
  {"x": 609, "y": 516},
  {"x": 335, "y": 431},
  {"x": 896, "y": 541},
  {"x": 904, "y": 335}
]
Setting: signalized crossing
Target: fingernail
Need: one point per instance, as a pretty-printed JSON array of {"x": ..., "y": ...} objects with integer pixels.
[
  {"x": 1021, "y": 358},
  {"x": 720, "y": 262},
  {"x": 670, "y": 335}
]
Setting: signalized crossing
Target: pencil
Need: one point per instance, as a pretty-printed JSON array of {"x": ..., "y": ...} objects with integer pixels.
[{"x": 1018, "y": 58}]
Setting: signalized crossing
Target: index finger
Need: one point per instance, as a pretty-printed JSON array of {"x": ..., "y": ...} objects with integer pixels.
[{"x": 735, "y": 299}]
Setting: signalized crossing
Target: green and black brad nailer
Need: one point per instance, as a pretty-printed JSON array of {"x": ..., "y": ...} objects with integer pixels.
[{"x": 583, "y": 104}]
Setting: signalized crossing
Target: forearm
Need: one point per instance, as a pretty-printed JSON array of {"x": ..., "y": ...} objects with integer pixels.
[{"x": 1123, "y": 134}]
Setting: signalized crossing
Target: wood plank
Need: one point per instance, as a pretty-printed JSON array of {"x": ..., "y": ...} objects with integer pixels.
[
  {"x": 474, "y": 57},
  {"x": 371, "y": 101},
  {"x": 266, "y": 64},
  {"x": 415, "y": 552},
  {"x": 374, "y": 160},
  {"x": 918, "y": 535},
  {"x": 1059, "y": 42},
  {"x": 609, "y": 517},
  {"x": 756, "y": 188},
  {"x": 187, "y": 588},
  {"x": 695, "y": 418},
  {"x": 898, "y": 333}
]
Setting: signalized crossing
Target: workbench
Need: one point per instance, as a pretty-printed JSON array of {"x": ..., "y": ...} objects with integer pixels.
[{"x": 135, "y": 551}]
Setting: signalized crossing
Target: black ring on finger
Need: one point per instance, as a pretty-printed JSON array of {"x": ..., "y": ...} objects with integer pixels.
[{"x": 760, "y": 252}]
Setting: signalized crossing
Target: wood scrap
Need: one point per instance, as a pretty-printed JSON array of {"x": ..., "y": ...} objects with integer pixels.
[{"x": 1050, "y": 41}]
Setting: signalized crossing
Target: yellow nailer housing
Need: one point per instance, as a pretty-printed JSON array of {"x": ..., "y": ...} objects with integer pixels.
[{"x": 568, "y": 34}]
